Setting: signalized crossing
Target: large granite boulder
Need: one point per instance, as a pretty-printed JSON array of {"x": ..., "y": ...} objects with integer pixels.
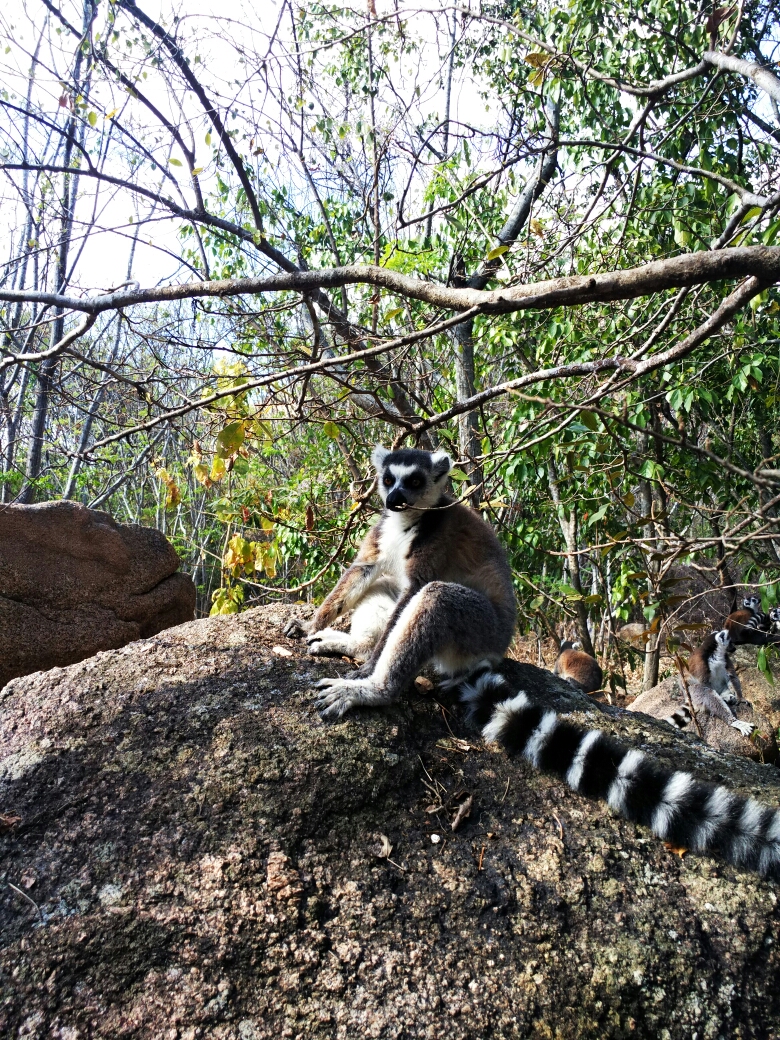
[
  {"x": 191, "y": 852},
  {"x": 73, "y": 582}
]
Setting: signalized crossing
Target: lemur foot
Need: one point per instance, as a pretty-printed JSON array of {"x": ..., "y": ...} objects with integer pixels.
[
  {"x": 295, "y": 628},
  {"x": 329, "y": 641},
  {"x": 745, "y": 728},
  {"x": 340, "y": 695}
]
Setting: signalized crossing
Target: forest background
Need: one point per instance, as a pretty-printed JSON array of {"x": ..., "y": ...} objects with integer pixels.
[{"x": 243, "y": 244}]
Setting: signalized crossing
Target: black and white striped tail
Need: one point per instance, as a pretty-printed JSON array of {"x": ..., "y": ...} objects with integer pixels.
[{"x": 677, "y": 808}]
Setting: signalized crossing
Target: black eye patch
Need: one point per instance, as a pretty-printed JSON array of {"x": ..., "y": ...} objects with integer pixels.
[{"x": 415, "y": 481}]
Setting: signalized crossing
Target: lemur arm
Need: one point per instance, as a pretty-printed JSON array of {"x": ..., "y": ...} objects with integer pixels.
[{"x": 351, "y": 587}]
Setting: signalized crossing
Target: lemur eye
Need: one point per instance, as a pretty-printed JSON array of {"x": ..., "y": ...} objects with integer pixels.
[
  {"x": 388, "y": 480},
  {"x": 415, "y": 482}
]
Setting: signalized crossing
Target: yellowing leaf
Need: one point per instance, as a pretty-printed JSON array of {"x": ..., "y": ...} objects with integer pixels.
[
  {"x": 393, "y": 313},
  {"x": 175, "y": 162},
  {"x": 218, "y": 470},
  {"x": 330, "y": 429},
  {"x": 537, "y": 227},
  {"x": 201, "y": 474},
  {"x": 172, "y": 492},
  {"x": 230, "y": 439},
  {"x": 92, "y": 118},
  {"x": 208, "y": 137},
  {"x": 111, "y": 114},
  {"x": 197, "y": 170},
  {"x": 538, "y": 60},
  {"x": 495, "y": 253}
]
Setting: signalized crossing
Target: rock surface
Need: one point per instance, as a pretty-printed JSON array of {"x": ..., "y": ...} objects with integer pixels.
[
  {"x": 198, "y": 855},
  {"x": 73, "y": 582}
]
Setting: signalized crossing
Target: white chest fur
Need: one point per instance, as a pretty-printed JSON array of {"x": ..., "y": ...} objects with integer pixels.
[
  {"x": 719, "y": 676},
  {"x": 395, "y": 539}
]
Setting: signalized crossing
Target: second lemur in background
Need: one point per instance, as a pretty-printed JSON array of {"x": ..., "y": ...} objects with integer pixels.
[{"x": 578, "y": 668}]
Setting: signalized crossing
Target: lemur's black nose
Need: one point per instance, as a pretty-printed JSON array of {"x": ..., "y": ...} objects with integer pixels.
[{"x": 396, "y": 500}]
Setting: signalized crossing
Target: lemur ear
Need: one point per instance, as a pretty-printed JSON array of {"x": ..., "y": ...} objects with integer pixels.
[
  {"x": 378, "y": 456},
  {"x": 441, "y": 464}
]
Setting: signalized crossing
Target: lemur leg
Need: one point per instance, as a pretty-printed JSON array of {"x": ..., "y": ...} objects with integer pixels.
[
  {"x": 349, "y": 590},
  {"x": 444, "y": 622},
  {"x": 369, "y": 621}
]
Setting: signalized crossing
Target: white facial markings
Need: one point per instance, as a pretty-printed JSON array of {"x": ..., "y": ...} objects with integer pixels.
[
  {"x": 574, "y": 774},
  {"x": 676, "y": 788},
  {"x": 616, "y": 797},
  {"x": 400, "y": 470},
  {"x": 502, "y": 716}
]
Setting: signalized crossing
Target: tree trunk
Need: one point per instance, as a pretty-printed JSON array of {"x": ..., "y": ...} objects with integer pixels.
[
  {"x": 569, "y": 528},
  {"x": 468, "y": 432}
]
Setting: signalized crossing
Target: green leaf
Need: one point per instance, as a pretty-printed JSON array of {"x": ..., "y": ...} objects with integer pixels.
[
  {"x": 598, "y": 515},
  {"x": 495, "y": 253},
  {"x": 208, "y": 137},
  {"x": 230, "y": 439},
  {"x": 570, "y": 592},
  {"x": 175, "y": 162},
  {"x": 92, "y": 118},
  {"x": 589, "y": 420},
  {"x": 330, "y": 429},
  {"x": 393, "y": 313},
  {"x": 763, "y": 666},
  {"x": 457, "y": 474}
]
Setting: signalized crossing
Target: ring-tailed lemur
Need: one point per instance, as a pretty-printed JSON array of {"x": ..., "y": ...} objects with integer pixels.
[
  {"x": 431, "y": 584},
  {"x": 578, "y": 668},
  {"x": 750, "y": 625}
]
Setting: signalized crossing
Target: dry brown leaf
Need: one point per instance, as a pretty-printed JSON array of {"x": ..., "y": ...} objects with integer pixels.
[
  {"x": 423, "y": 684},
  {"x": 9, "y": 820}
]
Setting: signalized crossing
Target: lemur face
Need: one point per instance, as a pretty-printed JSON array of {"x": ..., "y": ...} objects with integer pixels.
[
  {"x": 410, "y": 479},
  {"x": 752, "y": 603},
  {"x": 774, "y": 614},
  {"x": 723, "y": 638}
]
